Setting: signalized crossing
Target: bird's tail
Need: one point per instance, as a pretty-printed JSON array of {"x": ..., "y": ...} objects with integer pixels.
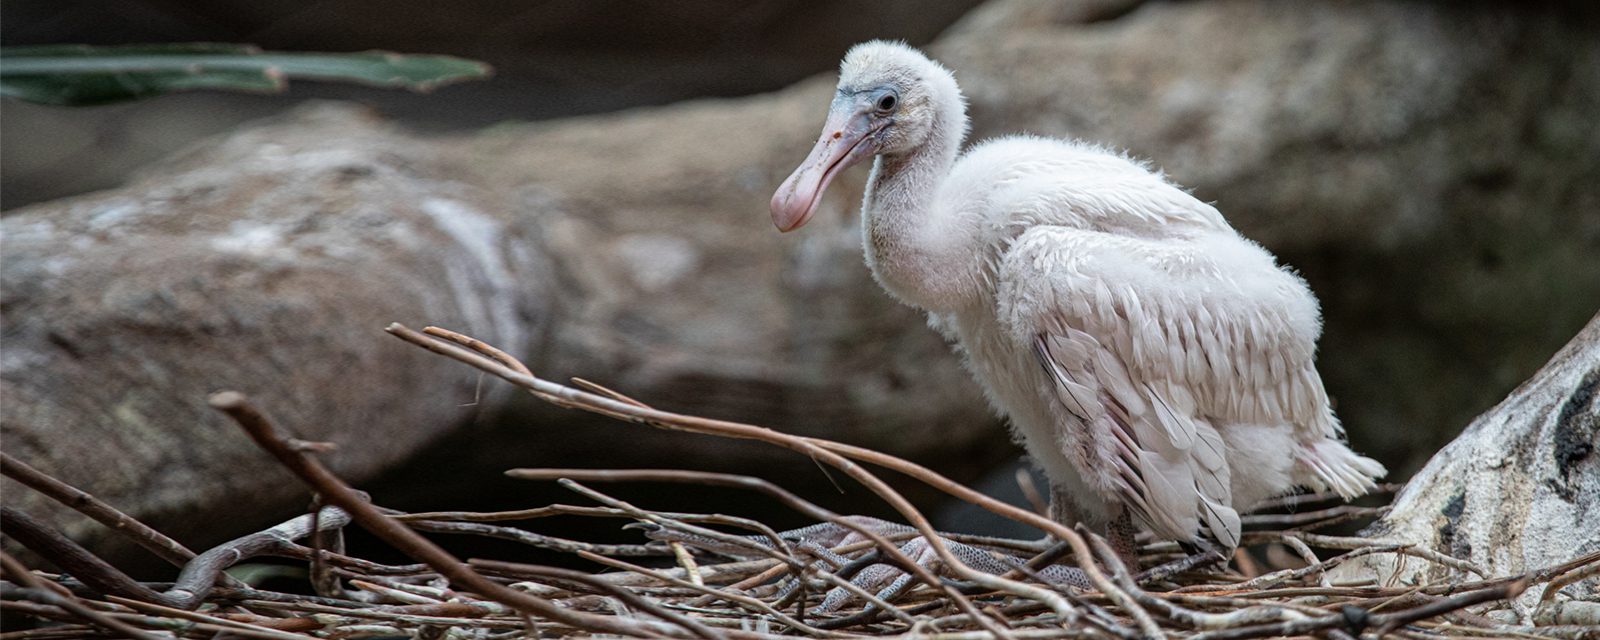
[{"x": 1330, "y": 465}]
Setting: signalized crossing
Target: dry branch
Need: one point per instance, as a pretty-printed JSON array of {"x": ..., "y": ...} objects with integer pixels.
[
  {"x": 768, "y": 590},
  {"x": 152, "y": 540}
]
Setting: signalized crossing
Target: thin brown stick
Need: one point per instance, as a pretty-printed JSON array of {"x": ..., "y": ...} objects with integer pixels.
[
  {"x": 174, "y": 626},
  {"x": 24, "y": 577},
  {"x": 1301, "y": 499},
  {"x": 608, "y": 406},
  {"x": 81, "y": 501},
  {"x": 778, "y": 551},
  {"x": 1390, "y": 621},
  {"x": 199, "y": 576},
  {"x": 1139, "y": 598},
  {"x": 533, "y": 539},
  {"x": 77, "y": 561},
  {"x": 706, "y": 478},
  {"x": 1313, "y": 519},
  {"x": 309, "y": 470},
  {"x": 1356, "y": 619},
  {"x": 156, "y": 609},
  {"x": 629, "y": 597},
  {"x": 1589, "y": 568},
  {"x": 1342, "y": 542},
  {"x": 753, "y": 604},
  {"x": 608, "y": 392},
  {"x": 518, "y": 514},
  {"x": 832, "y": 453}
]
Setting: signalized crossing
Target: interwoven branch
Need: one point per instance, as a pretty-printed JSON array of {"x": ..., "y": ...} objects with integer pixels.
[{"x": 736, "y": 576}]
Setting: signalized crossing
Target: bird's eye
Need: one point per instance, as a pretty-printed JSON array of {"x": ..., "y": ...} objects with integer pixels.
[{"x": 887, "y": 103}]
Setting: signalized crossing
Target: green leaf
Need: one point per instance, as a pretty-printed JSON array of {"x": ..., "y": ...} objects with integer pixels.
[{"x": 86, "y": 75}]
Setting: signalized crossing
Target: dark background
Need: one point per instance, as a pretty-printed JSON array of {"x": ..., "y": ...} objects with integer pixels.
[{"x": 551, "y": 59}]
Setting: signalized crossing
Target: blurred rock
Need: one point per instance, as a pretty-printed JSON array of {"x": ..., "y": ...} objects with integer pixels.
[
  {"x": 266, "y": 263},
  {"x": 1428, "y": 168},
  {"x": 553, "y": 58}
]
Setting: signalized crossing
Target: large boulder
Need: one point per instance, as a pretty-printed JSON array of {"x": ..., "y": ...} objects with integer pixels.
[
  {"x": 266, "y": 262},
  {"x": 1428, "y": 168},
  {"x": 1518, "y": 491}
]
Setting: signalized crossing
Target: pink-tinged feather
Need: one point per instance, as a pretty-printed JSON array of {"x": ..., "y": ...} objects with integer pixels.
[{"x": 1149, "y": 320}]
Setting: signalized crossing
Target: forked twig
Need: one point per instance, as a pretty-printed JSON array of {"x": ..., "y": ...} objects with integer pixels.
[
  {"x": 337, "y": 493},
  {"x": 832, "y": 453},
  {"x": 741, "y": 599}
]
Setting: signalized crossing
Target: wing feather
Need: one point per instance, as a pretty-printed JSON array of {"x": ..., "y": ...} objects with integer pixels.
[
  {"x": 1146, "y": 342},
  {"x": 1223, "y": 521}
]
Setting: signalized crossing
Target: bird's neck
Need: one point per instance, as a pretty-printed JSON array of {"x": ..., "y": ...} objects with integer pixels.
[{"x": 922, "y": 250}]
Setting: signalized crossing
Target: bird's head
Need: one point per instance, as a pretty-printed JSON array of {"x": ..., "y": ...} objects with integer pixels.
[{"x": 890, "y": 99}]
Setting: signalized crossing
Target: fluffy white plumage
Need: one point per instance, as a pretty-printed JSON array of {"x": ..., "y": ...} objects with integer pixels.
[{"x": 1148, "y": 356}]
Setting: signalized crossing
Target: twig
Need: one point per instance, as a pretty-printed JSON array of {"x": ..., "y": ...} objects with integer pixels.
[
  {"x": 1296, "y": 500},
  {"x": 81, "y": 501},
  {"x": 236, "y": 406},
  {"x": 52, "y": 545},
  {"x": 1187, "y": 617},
  {"x": 1352, "y": 543},
  {"x": 1588, "y": 569},
  {"x": 258, "y": 630},
  {"x": 194, "y": 583},
  {"x": 832, "y": 453},
  {"x": 534, "y": 539},
  {"x": 23, "y": 576},
  {"x": 518, "y": 514},
  {"x": 608, "y": 406},
  {"x": 742, "y": 600},
  {"x": 629, "y": 597},
  {"x": 778, "y": 550},
  {"x": 1390, "y": 621},
  {"x": 201, "y": 574}
]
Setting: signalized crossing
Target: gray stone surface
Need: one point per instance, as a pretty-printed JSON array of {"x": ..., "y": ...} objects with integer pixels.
[
  {"x": 1518, "y": 491},
  {"x": 267, "y": 263}
]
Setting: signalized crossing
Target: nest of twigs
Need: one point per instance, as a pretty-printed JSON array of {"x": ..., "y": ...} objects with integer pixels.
[{"x": 756, "y": 583}]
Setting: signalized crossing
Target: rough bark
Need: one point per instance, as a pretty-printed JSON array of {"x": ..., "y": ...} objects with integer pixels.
[
  {"x": 1519, "y": 490},
  {"x": 1379, "y": 147}
]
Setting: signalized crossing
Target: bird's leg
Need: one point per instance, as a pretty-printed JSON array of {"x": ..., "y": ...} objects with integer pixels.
[
  {"x": 1061, "y": 507},
  {"x": 1120, "y": 534}
]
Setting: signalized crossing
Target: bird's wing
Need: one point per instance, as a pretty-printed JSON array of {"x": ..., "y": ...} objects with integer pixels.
[{"x": 1154, "y": 343}]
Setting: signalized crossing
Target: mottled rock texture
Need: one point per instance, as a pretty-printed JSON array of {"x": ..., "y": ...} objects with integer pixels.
[{"x": 1518, "y": 491}]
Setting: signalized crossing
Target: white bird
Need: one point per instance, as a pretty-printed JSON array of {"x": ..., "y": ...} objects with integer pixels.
[{"x": 1155, "y": 363}]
